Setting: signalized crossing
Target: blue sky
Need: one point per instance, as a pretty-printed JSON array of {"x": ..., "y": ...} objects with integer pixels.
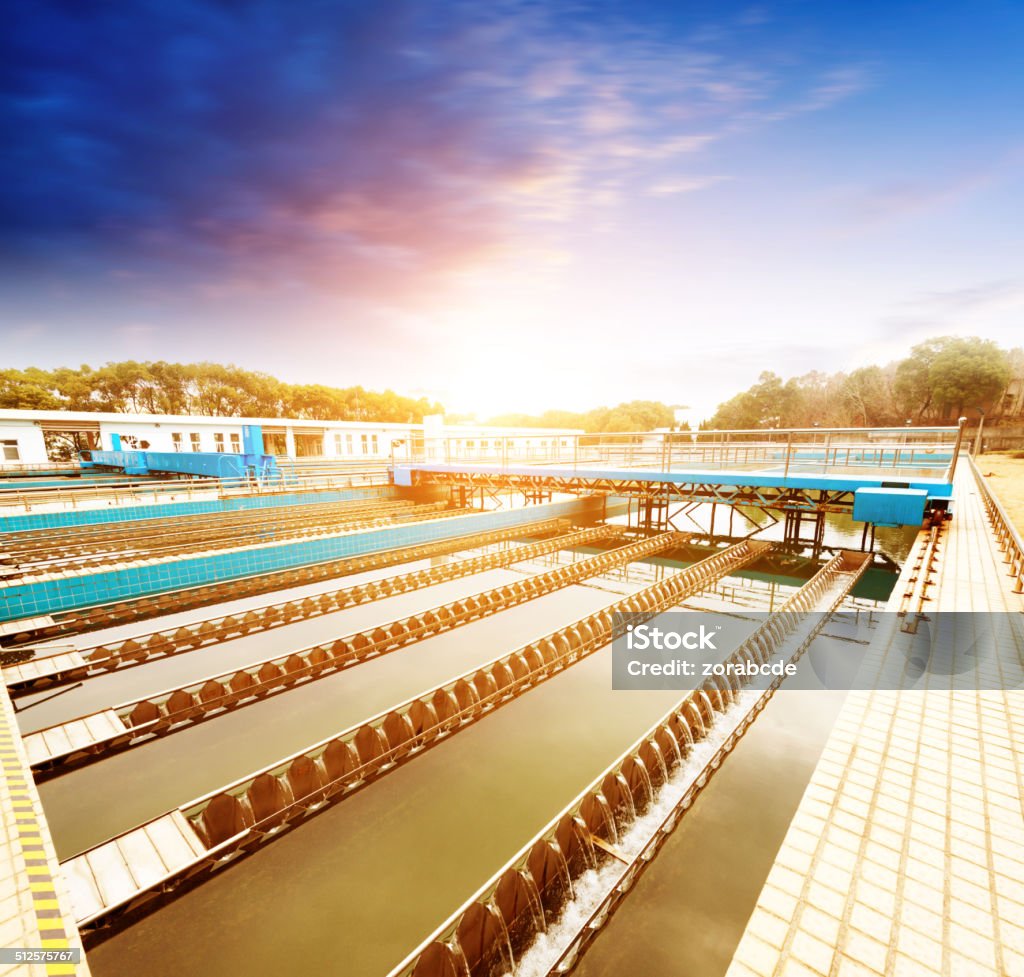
[{"x": 510, "y": 205}]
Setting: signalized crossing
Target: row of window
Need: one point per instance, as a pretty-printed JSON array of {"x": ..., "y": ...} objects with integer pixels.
[
  {"x": 344, "y": 444},
  {"x": 178, "y": 440},
  {"x": 368, "y": 443}
]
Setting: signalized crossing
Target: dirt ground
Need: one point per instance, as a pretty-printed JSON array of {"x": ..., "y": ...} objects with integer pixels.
[{"x": 1005, "y": 476}]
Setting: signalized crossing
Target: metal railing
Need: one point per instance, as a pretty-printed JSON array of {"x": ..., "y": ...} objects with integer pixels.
[
  {"x": 129, "y": 491},
  {"x": 47, "y": 467},
  {"x": 930, "y": 451},
  {"x": 1007, "y": 537}
]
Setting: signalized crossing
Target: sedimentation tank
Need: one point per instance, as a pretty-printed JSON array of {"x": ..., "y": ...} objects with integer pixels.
[{"x": 406, "y": 756}]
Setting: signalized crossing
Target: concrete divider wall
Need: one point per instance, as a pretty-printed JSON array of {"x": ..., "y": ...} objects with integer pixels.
[{"x": 90, "y": 588}]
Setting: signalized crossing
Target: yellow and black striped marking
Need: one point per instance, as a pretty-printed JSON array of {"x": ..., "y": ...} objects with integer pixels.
[{"x": 30, "y": 860}]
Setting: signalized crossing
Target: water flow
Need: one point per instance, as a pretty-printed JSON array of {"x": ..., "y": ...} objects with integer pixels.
[{"x": 592, "y": 887}]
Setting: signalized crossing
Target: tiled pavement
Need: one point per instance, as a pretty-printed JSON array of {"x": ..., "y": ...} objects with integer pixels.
[
  {"x": 35, "y": 911},
  {"x": 906, "y": 855}
]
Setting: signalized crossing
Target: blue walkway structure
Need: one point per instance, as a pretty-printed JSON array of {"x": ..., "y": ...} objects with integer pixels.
[
  {"x": 250, "y": 464},
  {"x": 201, "y": 464},
  {"x": 880, "y": 476}
]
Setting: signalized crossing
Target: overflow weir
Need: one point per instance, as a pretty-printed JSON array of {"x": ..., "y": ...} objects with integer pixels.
[
  {"x": 493, "y": 931},
  {"x": 115, "y": 613},
  {"x": 89, "y": 737},
  {"x": 51, "y": 669},
  {"x": 250, "y": 812}
]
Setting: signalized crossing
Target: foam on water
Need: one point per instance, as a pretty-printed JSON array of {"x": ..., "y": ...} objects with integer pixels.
[{"x": 595, "y": 884}]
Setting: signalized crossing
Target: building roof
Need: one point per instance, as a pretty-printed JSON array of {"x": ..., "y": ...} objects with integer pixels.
[{"x": 113, "y": 417}]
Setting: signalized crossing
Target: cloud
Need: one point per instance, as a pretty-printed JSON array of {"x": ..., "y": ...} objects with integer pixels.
[
  {"x": 1001, "y": 293},
  {"x": 910, "y": 196},
  {"x": 358, "y": 149},
  {"x": 989, "y": 308},
  {"x": 835, "y": 86},
  {"x": 684, "y": 184}
]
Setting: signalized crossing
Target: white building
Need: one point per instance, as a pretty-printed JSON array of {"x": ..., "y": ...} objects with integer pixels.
[{"x": 30, "y": 437}]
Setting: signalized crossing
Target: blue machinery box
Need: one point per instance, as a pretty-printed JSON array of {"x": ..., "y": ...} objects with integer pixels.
[{"x": 889, "y": 506}]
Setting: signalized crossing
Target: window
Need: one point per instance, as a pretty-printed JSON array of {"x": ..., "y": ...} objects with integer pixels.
[
  {"x": 470, "y": 445},
  {"x": 176, "y": 440},
  {"x": 483, "y": 445},
  {"x": 11, "y": 452},
  {"x": 194, "y": 439},
  {"x": 218, "y": 441},
  {"x": 365, "y": 443},
  {"x": 236, "y": 443},
  {"x": 349, "y": 447},
  {"x": 376, "y": 448},
  {"x": 337, "y": 444}
]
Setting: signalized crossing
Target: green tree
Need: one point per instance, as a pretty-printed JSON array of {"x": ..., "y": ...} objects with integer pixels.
[
  {"x": 76, "y": 388},
  {"x": 968, "y": 373},
  {"x": 768, "y": 403},
  {"x": 913, "y": 379},
  {"x": 30, "y": 389},
  {"x": 945, "y": 375}
]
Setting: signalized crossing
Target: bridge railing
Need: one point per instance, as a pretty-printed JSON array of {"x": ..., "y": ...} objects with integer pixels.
[
  {"x": 1009, "y": 541},
  {"x": 899, "y": 450}
]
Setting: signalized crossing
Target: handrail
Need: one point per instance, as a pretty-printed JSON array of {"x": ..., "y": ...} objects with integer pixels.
[
  {"x": 1007, "y": 538},
  {"x": 135, "y": 491},
  {"x": 893, "y": 450}
]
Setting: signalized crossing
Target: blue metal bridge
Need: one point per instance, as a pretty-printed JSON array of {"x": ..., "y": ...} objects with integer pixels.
[
  {"x": 248, "y": 465},
  {"x": 879, "y": 476}
]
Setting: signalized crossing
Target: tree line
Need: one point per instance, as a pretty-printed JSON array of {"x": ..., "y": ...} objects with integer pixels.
[
  {"x": 636, "y": 415},
  {"x": 207, "y": 389},
  {"x": 942, "y": 379}
]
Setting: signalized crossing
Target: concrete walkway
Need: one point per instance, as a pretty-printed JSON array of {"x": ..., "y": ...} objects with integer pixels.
[
  {"x": 906, "y": 855},
  {"x": 35, "y": 911}
]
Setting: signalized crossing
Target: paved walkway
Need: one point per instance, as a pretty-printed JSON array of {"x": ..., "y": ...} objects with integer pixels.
[
  {"x": 35, "y": 909},
  {"x": 906, "y": 855}
]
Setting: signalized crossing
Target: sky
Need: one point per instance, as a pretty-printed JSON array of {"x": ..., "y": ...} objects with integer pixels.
[{"x": 510, "y": 206}]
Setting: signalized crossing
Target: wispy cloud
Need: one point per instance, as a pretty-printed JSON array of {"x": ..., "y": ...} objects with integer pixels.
[
  {"x": 684, "y": 185},
  {"x": 990, "y": 308},
  {"x": 913, "y": 195},
  {"x": 1002, "y": 293},
  {"x": 362, "y": 149}
]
